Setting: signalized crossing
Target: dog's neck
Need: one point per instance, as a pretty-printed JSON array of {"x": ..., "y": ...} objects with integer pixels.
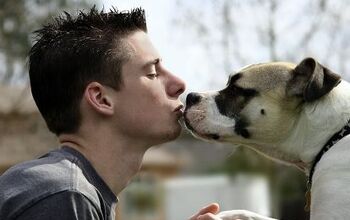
[
  {"x": 318, "y": 121},
  {"x": 315, "y": 125}
]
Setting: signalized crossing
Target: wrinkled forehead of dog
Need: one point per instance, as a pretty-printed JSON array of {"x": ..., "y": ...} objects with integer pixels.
[{"x": 263, "y": 76}]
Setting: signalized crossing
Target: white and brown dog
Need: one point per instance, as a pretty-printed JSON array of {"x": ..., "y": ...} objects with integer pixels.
[{"x": 295, "y": 114}]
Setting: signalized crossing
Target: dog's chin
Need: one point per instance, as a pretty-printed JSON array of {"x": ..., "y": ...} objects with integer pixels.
[
  {"x": 206, "y": 137},
  {"x": 203, "y": 136},
  {"x": 198, "y": 134}
]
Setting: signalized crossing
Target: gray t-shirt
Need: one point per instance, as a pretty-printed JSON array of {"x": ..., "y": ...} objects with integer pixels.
[{"x": 60, "y": 185}]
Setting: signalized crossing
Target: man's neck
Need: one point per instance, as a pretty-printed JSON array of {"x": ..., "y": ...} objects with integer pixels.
[{"x": 115, "y": 161}]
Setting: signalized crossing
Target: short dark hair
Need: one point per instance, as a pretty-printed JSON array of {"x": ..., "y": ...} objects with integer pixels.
[{"x": 71, "y": 52}]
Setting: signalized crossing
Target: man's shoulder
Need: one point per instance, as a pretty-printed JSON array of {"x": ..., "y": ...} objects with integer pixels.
[
  {"x": 72, "y": 205},
  {"x": 49, "y": 172},
  {"x": 31, "y": 181}
]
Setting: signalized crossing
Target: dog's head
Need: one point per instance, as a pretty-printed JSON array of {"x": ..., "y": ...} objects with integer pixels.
[{"x": 260, "y": 102}]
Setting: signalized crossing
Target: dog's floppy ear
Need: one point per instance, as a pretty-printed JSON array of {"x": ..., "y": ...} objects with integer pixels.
[{"x": 311, "y": 80}]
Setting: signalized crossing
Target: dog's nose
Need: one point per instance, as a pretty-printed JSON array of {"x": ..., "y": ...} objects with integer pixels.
[{"x": 192, "y": 99}]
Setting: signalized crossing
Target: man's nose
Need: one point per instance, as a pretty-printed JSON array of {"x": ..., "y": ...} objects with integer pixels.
[
  {"x": 192, "y": 99},
  {"x": 177, "y": 87}
]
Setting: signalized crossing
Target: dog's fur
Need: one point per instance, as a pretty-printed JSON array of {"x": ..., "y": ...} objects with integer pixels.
[{"x": 286, "y": 112}]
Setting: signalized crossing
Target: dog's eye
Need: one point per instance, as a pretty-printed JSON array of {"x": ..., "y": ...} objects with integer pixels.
[
  {"x": 262, "y": 111},
  {"x": 249, "y": 92},
  {"x": 242, "y": 91}
]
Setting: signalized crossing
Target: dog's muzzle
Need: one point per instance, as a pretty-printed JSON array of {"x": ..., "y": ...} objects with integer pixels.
[{"x": 192, "y": 99}]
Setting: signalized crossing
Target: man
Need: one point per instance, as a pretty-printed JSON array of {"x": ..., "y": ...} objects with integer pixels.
[{"x": 102, "y": 89}]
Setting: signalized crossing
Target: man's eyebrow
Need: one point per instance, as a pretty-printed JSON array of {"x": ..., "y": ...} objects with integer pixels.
[{"x": 153, "y": 62}]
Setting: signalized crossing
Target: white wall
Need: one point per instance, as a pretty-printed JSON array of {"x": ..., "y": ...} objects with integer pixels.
[{"x": 186, "y": 195}]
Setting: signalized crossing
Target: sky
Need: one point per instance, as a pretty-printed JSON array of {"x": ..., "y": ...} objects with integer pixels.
[{"x": 180, "y": 57}]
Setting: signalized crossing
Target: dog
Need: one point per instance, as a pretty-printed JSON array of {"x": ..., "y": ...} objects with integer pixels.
[{"x": 297, "y": 114}]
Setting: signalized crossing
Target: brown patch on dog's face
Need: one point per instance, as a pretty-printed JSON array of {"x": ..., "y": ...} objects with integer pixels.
[{"x": 266, "y": 76}]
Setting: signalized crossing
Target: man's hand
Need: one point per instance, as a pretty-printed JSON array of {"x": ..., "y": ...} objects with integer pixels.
[{"x": 207, "y": 212}]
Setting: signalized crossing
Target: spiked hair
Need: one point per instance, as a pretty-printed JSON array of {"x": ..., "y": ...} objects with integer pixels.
[{"x": 71, "y": 52}]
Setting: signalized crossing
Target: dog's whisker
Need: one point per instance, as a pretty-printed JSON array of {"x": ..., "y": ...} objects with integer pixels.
[{"x": 196, "y": 111}]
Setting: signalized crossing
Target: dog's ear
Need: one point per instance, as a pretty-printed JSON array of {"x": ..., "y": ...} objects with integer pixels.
[{"x": 311, "y": 80}]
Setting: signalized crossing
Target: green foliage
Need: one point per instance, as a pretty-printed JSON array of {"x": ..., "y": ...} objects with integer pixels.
[
  {"x": 18, "y": 19},
  {"x": 245, "y": 160},
  {"x": 286, "y": 181},
  {"x": 142, "y": 197}
]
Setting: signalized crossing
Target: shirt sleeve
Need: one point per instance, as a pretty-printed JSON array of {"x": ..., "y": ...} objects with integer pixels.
[{"x": 68, "y": 205}]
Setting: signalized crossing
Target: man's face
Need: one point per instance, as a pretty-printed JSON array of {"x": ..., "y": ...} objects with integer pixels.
[{"x": 147, "y": 105}]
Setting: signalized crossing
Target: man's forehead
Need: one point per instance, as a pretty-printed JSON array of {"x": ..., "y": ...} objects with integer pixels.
[
  {"x": 142, "y": 52},
  {"x": 140, "y": 44}
]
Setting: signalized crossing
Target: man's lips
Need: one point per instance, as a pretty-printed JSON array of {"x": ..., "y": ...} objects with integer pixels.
[{"x": 179, "y": 110}]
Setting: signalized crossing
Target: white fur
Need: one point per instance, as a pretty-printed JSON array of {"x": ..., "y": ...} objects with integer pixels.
[
  {"x": 330, "y": 190},
  {"x": 319, "y": 121},
  {"x": 241, "y": 215}
]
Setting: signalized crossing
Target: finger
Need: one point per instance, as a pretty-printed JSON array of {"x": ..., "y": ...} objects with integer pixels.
[
  {"x": 212, "y": 208},
  {"x": 208, "y": 216}
]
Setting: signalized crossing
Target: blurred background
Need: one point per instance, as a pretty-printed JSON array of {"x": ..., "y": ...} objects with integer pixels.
[{"x": 202, "y": 41}]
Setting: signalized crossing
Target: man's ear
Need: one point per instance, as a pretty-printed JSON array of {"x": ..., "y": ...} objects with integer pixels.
[
  {"x": 98, "y": 97},
  {"x": 311, "y": 80}
]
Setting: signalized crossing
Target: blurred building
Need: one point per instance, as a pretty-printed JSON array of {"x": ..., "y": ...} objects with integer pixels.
[{"x": 23, "y": 133}]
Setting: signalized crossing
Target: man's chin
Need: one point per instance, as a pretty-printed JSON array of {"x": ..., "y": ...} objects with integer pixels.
[{"x": 173, "y": 133}]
